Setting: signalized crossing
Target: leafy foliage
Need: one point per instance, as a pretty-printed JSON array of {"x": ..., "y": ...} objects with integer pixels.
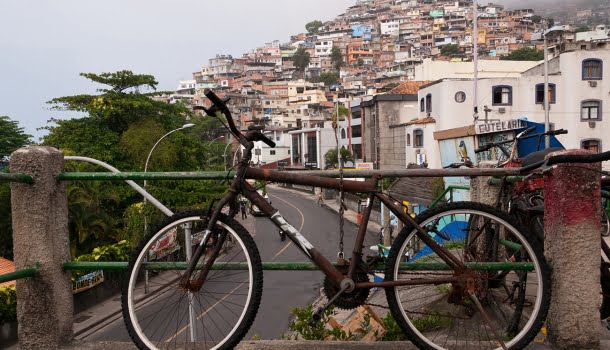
[
  {"x": 8, "y": 304},
  {"x": 524, "y": 54},
  {"x": 450, "y": 50},
  {"x": 301, "y": 59},
  {"x": 392, "y": 330},
  {"x": 330, "y": 158},
  {"x": 336, "y": 58},
  {"x": 313, "y": 26},
  {"x": 121, "y": 103},
  {"x": 318, "y": 331},
  {"x": 6, "y": 228},
  {"x": 328, "y": 78},
  {"x": 115, "y": 252},
  {"x": 121, "y": 126},
  {"x": 12, "y": 137}
]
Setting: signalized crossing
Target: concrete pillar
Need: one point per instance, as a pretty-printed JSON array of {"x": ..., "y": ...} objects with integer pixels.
[
  {"x": 40, "y": 234},
  {"x": 480, "y": 189},
  {"x": 572, "y": 247}
]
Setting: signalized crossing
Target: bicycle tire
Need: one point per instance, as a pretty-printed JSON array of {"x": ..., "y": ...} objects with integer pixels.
[
  {"x": 168, "y": 316},
  {"x": 448, "y": 317}
]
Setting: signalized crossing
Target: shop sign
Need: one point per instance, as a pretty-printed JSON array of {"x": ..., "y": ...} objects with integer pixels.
[
  {"x": 499, "y": 126},
  {"x": 87, "y": 281}
]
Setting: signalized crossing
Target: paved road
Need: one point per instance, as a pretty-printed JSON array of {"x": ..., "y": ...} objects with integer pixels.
[{"x": 282, "y": 290}]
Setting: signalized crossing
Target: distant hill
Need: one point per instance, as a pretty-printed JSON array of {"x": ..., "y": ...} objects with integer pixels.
[{"x": 545, "y": 4}]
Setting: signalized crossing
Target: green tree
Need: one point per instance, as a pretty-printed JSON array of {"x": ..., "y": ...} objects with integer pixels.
[
  {"x": 12, "y": 137},
  {"x": 301, "y": 60},
  {"x": 582, "y": 29},
  {"x": 330, "y": 158},
  {"x": 120, "y": 127},
  {"x": 121, "y": 102},
  {"x": 336, "y": 58},
  {"x": 360, "y": 62},
  {"x": 550, "y": 21},
  {"x": 524, "y": 54},
  {"x": 328, "y": 78},
  {"x": 536, "y": 19},
  {"x": 450, "y": 50},
  {"x": 6, "y": 227},
  {"x": 313, "y": 26}
]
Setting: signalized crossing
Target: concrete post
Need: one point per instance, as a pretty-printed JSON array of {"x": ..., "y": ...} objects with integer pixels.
[
  {"x": 572, "y": 247},
  {"x": 480, "y": 189},
  {"x": 40, "y": 234}
]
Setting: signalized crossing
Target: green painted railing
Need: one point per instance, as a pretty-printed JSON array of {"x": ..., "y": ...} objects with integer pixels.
[
  {"x": 23, "y": 273},
  {"x": 449, "y": 190},
  {"x": 16, "y": 178},
  {"x": 297, "y": 266}
]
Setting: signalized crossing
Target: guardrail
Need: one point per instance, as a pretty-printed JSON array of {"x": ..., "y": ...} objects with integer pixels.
[
  {"x": 41, "y": 234},
  {"x": 449, "y": 190}
]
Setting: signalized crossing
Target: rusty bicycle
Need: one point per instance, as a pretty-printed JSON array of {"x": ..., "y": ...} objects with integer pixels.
[{"x": 472, "y": 279}]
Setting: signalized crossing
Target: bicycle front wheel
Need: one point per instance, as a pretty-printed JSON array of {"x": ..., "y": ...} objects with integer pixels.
[
  {"x": 160, "y": 314},
  {"x": 502, "y": 297}
]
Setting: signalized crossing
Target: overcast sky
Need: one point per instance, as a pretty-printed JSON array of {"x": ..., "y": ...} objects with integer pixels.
[{"x": 45, "y": 44}]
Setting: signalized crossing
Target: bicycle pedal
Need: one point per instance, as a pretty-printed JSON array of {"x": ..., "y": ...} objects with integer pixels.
[{"x": 315, "y": 318}]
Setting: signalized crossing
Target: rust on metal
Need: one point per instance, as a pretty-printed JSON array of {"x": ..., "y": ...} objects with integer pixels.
[
  {"x": 413, "y": 282},
  {"x": 308, "y": 180}
]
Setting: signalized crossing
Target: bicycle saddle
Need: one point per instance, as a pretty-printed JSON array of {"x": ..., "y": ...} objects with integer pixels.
[{"x": 537, "y": 156}]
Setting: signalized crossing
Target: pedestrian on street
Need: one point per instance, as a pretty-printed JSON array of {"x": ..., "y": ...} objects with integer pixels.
[{"x": 242, "y": 207}]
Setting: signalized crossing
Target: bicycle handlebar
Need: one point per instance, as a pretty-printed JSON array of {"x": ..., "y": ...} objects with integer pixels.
[
  {"x": 219, "y": 104},
  {"x": 567, "y": 158}
]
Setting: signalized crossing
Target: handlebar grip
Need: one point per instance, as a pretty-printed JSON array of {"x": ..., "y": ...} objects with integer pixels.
[
  {"x": 558, "y": 132},
  {"x": 483, "y": 148},
  {"x": 223, "y": 108}
]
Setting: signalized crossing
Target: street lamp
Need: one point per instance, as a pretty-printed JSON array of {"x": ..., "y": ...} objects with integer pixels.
[
  {"x": 185, "y": 126},
  {"x": 224, "y": 154}
]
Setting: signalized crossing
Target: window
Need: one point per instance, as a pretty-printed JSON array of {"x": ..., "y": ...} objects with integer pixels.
[
  {"x": 418, "y": 138},
  {"x": 422, "y": 105},
  {"x": 540, "y": 93},
  {"x": 594, "y": 145},
  {"x": 592, "y": 69},
  {"x": 590, "y": 110},
  {"x": 356, "y": 132},
  {"x": 429, "y": 103},
  {"x": 460, "y": 96},
  {"x": 277, "y": 138},
  {"x": 408, "y": 139},
  {"x": 502, "y": 95},
  {"x": 343, "y": 134},
  {"x": 272, "y": 152}
]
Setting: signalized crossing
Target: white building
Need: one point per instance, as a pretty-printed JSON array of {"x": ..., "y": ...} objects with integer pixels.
[{"x": 578, "y": 92}]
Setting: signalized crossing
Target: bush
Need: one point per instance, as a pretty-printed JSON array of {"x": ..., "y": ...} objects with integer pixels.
[
  {"x": 115, "y": 252},
  {"x": 8, "y": 304},
  {"x": 318, "y": 331}
]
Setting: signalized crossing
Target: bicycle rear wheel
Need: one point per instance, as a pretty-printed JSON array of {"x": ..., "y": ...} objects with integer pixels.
[
  {"x": 160, "y": 314},
  {"x": 502, "y": 297}
]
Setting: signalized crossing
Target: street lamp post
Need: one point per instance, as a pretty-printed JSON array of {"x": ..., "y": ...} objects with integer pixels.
[
  {"x": 224, "y": 154},
  {"x": 547, "y": 138},
  {"x": 185, "y": 126}
]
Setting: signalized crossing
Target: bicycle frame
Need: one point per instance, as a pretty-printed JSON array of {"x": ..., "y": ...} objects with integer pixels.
[{"x": 240, "y": 186}]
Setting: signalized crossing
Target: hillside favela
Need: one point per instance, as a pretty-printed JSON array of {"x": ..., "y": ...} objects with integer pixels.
[{"x": 401, "y": 174}]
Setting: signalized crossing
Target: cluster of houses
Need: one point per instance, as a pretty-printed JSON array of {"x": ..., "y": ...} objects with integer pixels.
[{"x": 407, "y": 105}]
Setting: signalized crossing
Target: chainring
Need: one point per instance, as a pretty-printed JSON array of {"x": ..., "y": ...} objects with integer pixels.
[{"x": 348, "y": 301}]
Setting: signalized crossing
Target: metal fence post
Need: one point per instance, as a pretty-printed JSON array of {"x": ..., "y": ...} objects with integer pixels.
[
  {"x": 40, "y": 234},
  {"x": 572, "y": 244}
]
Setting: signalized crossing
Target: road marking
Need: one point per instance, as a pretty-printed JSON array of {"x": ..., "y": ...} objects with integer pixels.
[{"x": 300, "y": 228}]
